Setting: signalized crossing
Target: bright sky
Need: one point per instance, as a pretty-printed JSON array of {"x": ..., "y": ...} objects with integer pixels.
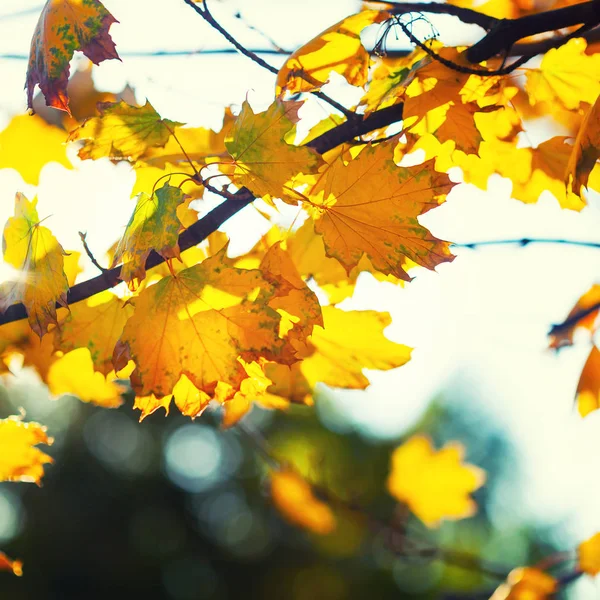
[{"x": 479, "y": 323}]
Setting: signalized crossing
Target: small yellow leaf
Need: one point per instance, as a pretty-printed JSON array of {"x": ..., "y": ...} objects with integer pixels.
[
  {"x": 74, "y": 374},
  {"x": 435, "y": 485},
  {"x": 18, "y": 152},
  {"x": 526, "y": 583},
  {"x": 19, "y": 459},
  {"x": 589, "y": 555},
  {"x": 295, "y": 500}
]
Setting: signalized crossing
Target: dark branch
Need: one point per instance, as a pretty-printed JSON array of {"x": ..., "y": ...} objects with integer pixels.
[
  {"x": 208, "y": 224},
  {"x": 508, "y": 31},
  {"x": 527, "y": 241},
  {"x": 466, "y": 15}
]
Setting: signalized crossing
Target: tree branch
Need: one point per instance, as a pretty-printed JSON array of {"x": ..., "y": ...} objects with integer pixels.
[
  {"x": 508, "y": 31},
  {"x": 208, "y": 224},
  {"x": 526, "y": 242}
]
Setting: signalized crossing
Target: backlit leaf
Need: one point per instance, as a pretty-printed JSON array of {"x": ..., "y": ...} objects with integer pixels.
[
  {"x": 197, "y": 324},
  {"x": 31, "y": 248},
  {"x": 337, "y": 49},
  {"x": 435, "y": 485},
  {"x": 154, "y": 225},
  {"x": 74, "y": 374},
  {"x": 20, "y": 460},
  {"x": 567, "y": 75},
  {"x": 122, "y": 132},
  {"x": 95, "y": 324},
  {"x": 371, "y": 207},
  {"x": 18, "y": 152},
  {"x": 264, "y": 161},
  {"x": 65, "y": 26}
]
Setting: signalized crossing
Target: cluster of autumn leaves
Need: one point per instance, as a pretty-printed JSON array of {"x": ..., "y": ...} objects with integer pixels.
[{"x": 206, "y": 326}]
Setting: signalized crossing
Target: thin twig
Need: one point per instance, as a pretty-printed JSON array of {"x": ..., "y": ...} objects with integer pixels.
[
  {"x": 526, "y": 242},
  {"x": 83, "y": 237},
  {"x": 207, "y": 16}
]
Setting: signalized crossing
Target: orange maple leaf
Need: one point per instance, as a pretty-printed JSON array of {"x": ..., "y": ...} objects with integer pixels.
[
  {"x": 198, "y": 323},
  {"x": 371, "y": 206}
]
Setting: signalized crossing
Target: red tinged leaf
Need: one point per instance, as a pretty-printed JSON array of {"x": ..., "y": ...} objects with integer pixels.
[{"x": 65, "y": 26}]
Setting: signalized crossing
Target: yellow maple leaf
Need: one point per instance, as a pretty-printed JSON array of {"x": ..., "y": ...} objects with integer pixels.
[
  {"x": 435, "y": 485},
  {"x": 371, "y": 206},
  {"x": 63, "y": 27},
  {"x": 122, "y": 132},
  {"x": 586, "y": 149},
  {"x": 589, "y": 555},
  {"x": 349, "y": 342},
  {"x": 264, "y": 161},
  {"x": 31, "y": 248},
  {"x": 74, "y": 374},
  {"x": 295, "y": 500},
  {"x": 566, "y": 75},
  {"x": 526, "y": 583},
  {"x": 154, "y": 225},
  {"x": 20, "y": 460},
  {"x": 337, "y": 49},
  {"x": 17, "y": 152}
]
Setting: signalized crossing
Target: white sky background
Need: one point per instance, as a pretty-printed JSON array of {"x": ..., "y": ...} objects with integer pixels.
[{"x": 486, "y": 314}]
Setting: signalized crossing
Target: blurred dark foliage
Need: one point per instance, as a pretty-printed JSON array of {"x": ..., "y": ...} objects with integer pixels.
[{"x": 99, "y": 529}]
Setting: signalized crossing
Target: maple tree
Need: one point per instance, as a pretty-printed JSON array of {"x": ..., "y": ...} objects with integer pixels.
[{"x": 196, "y": 327}]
